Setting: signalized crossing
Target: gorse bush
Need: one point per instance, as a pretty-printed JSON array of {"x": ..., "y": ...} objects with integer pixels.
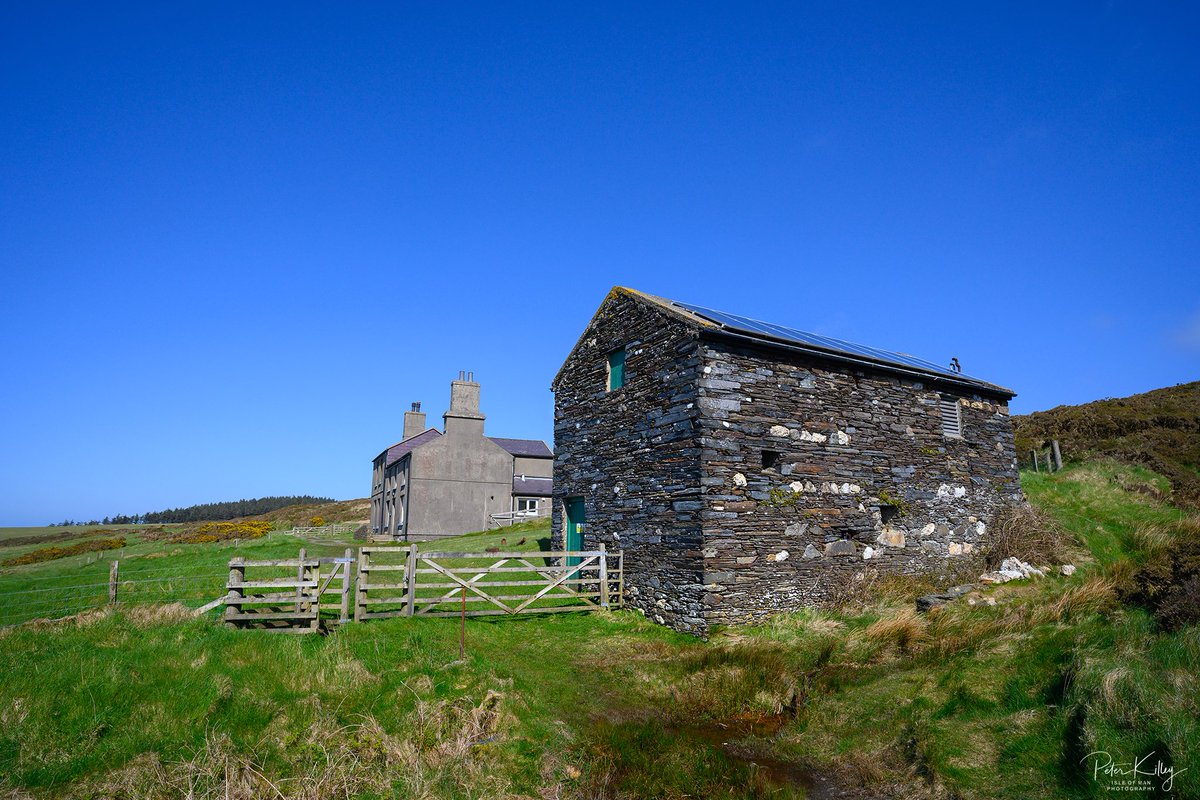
[
  {"x": 53, "y": 553},
  {"x": 224, "y": 531}
]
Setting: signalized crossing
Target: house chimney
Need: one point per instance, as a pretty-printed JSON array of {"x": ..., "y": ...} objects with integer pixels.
[
  {"x": 464, "y": 417},
  {"x": 414, "y": 421}
]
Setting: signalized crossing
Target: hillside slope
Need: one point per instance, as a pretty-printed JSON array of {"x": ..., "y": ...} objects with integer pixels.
[
  {"x": 1001, "y": 694},
  {"x": 1159, "y": 430},
  {"x": 354, "y": 511}
]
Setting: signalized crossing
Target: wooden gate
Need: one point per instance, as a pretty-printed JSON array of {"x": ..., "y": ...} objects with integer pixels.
[
  {"x": 287, "y": 594},
  {"x": 404, "y": 581}
]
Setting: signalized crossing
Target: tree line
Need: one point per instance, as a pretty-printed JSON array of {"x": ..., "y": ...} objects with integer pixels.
[{"x": 204, "y": 512}]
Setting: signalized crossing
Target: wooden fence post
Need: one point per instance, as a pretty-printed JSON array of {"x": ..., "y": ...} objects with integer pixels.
[
  {"x": 315, "y": 606},
  {"x": 410, "y": 578},
  {"x": 299, "y": 581},
  {"x": 345, "y": 615},
  {"x": 621, "y": 577},
  {"x": 234, "y": 595},
  {"x": 112, "y": 583},
  {"x": 1034, "y": 458},
  {"x": 360, "y": 580},
  {"x": 603, "y": 575},
  {"x": 1057, "y": 454}
]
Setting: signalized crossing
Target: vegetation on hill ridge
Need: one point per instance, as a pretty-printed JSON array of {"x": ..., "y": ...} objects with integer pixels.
[
  {"x": 207, "y": 512},
  {"x": 1159, "y": 430}
]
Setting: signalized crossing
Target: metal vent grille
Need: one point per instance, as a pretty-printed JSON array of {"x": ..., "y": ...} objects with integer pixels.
[{"x": 951, "y": 416}]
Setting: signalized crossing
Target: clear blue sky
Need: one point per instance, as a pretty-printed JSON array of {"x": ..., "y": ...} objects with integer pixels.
[{"x": 237, "y": 240}]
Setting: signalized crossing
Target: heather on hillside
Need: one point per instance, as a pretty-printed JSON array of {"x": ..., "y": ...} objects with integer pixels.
[{"x": 1159, "y": 430}]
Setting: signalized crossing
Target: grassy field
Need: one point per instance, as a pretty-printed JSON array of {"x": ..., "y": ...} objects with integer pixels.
[
  {"x": 156, "y": 569},
  {"x": 974, "y": 701},
  {"x": 1159, "y": 430}
]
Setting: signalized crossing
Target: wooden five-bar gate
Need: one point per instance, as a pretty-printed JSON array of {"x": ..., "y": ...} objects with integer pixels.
[
  {"x": 392, "y": 581},
  {"x": 287, "y": 594}
]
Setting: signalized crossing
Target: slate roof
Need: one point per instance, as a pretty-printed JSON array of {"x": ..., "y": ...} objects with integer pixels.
[
  {"x": 741, "y": 327},
  {"x": 527, "y": 486},
  {"x": 533, "y": 448},
  {"x": 401, "y": 449}
]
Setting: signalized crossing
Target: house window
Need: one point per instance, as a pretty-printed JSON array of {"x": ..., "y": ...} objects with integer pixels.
[
  {"x": 951, "y": 416},
  {"x": 527, "y": 504},
  {"x": 770, "y": 459},
  {"x": 616, "y": 369}
]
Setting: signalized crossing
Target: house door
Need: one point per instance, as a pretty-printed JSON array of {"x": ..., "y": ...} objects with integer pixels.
[{"x": 574, "y": 537}]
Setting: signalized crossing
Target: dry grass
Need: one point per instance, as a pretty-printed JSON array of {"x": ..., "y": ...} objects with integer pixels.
[
  {"x": 1024, "y": 532},
  {"x": 1097, "y": 594},
  {"x": 1151, "y": 539},
  {"x": 142, "y": 616},
  {"x": 441, "y": 745},
  {"x": 902, "y": 628}
]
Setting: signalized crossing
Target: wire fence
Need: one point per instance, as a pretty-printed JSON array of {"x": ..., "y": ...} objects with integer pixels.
[{"x": 37, "y": 600}]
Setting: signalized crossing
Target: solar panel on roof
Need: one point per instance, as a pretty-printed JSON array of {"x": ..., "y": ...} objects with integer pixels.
[{"x": 753, "y": 327}]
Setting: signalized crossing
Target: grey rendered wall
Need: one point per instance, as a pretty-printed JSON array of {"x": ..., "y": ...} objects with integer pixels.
[
  {"x": 537, "y": 467},
  {"x": 458, "y": 481}
]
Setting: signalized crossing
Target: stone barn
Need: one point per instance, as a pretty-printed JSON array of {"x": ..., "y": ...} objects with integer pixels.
[{"x": 747, "y": 468}]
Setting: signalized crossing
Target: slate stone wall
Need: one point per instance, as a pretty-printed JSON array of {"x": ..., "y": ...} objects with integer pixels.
[
  {"x": 632, "y": 455},
  {"x": 845, "y": 450}
]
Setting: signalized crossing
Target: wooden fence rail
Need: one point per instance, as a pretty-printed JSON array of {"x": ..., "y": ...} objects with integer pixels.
[
  {"x": 405, "y": 581},
  {"x": 286, "y": 594},
  {"x": 338, "y": 527},
  {"x": 389, "y": 581}
]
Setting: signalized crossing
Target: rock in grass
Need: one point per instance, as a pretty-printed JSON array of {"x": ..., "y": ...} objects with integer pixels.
[
  {"x": 1011, "y": 569},
  {"x": 1067, "y": 569},
  {"x": 941, "y": 598}
]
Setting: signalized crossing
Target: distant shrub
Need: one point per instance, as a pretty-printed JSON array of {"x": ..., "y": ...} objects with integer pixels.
[
  {"x": 224, "y": 531},
  {"x": 316, "y": 522},
  {"x": 54, "y": 553}
]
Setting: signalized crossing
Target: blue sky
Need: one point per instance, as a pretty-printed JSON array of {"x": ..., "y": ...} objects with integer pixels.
[{"x": 237, "y": 240}]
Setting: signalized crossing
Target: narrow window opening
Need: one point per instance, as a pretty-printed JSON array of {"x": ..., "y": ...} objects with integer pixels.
[
  {"x": 616, "y": 369},
  {"x": 951, "y": 413},
  {"x": 770, "y": 459},
  {"x": 887, "y": 513}
]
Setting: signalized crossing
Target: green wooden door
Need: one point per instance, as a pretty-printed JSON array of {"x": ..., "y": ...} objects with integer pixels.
[{"x": 574, "y": 538}]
